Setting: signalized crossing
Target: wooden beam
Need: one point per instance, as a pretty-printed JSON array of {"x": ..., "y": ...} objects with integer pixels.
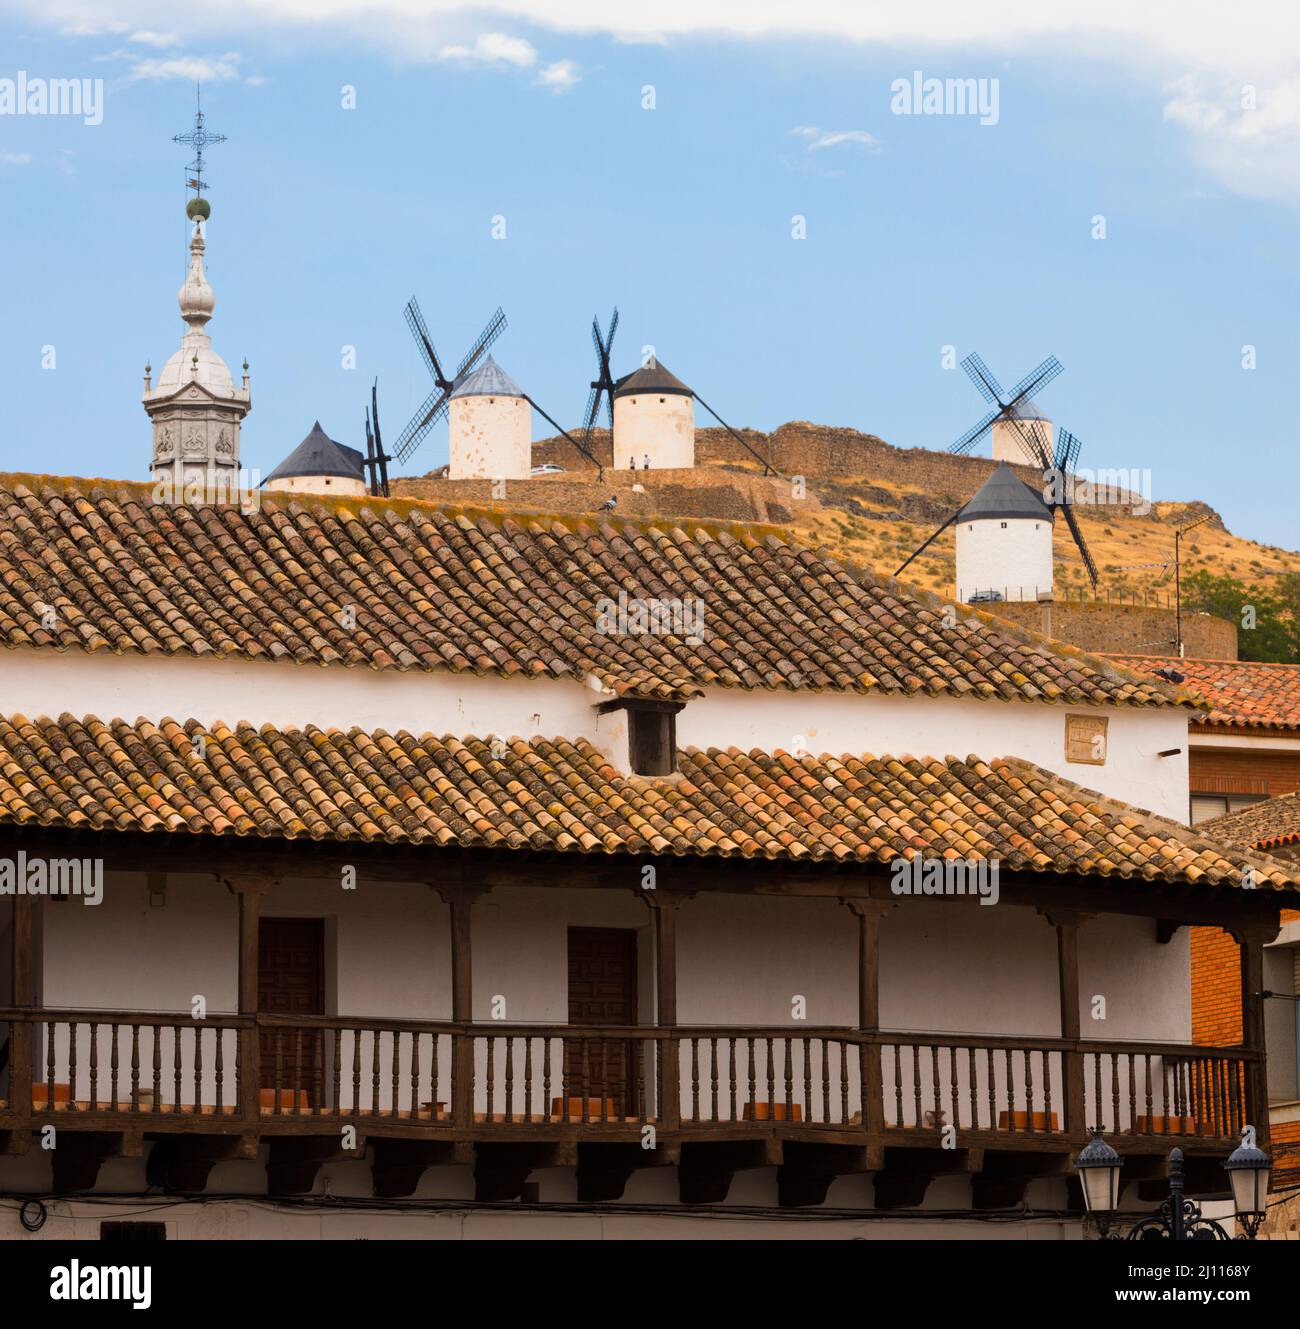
[
  {"x": 869, "y": 914},
  {"x": 1066, "y": 922},
  {"x": 1251, "y": 943},
  {"x": 663, "y": 907},
  {"x": 248, "y": 891},
  {"x": 460, "y": 903}
]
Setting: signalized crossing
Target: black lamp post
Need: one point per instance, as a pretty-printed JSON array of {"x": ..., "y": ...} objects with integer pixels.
[{"x": 1178, "y": 1219}]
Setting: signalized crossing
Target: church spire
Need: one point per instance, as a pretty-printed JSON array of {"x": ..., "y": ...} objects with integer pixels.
[{"x": 194, "y": 406}]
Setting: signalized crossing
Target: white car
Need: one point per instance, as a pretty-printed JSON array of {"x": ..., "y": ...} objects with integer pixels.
[{"x": 548, "y": 469}]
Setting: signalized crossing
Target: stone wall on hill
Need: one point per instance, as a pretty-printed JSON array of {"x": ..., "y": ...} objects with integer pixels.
[{"x": 1125, "y": 629}]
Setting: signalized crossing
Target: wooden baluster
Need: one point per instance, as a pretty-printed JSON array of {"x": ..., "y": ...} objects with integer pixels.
[
  {"x": 135, "y": 1066},
  {"x": 491, "y": 1075},
  {"x": 198, "y": 1066},
  {"x": 1098, "y": 1102},
  {"x": 395, "y": 1092},
  {"x": 898, "y": 1084},
  {"x": 808, "y": 1102},
  {"x": 695, "y": 1080},
  {"x": 218, "y": 1067},
  {"x": 546, "y": 1076},
  {"x": 731, "y": 1075},
  {"x": 1151, "y": 1125},
  {"x": 72, "y": 1064},
  {"x": 433, "y": 1076},
  {"x": 826, "y": 1082},
  {"x": 1011, "y": 1089},
  {"x": 113, "y": 1065},
  {"x": 356, "y": 1071},
  {"x": 916, "y": 1085},
  {"x": 1166, "y": 1096},
  {"x": 1029, "y": 1090},
  {"x": 528, "y": 1080},
  {"x": 936, "y": 1093},
  {"x": 1235, "y": 1097},
  {"x": 604, "y": 1087},
  {"x": 844, "y": 1083},
  {"x": 93, "y": 1031},
  {"x": 1047, "y": 1090},
  {"x": 991, "y": 1068},
  {"x": 713, "y": 1078},
  {"x": 789, "y": 1079},
  {"x": 336, "y": 1071},
  {"x": 176, "y": 1064},
  {"x": 376, "y": 1038},
  {"x": 49, "y": 1065},
  {"x": 753, "y": 1093},
  {"x": 972, "y": 1069},
  {"x": 1132, "y": 1091},
  {"x": 771, "y": 1081},
  {"x": 952, "y": 1075},
  {"x": 510, "y": 1078}
]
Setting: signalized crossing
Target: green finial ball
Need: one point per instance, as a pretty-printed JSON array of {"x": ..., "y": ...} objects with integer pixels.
[{"x": 198, "y": 208}]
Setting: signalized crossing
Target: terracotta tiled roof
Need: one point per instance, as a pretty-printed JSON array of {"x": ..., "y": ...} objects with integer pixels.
[
  {"x": 1268, "y": 825},
  {"x": 459, "y": 590},
  {"x": 557, "y": 795},
  {"x": 1241, "y": 693}
]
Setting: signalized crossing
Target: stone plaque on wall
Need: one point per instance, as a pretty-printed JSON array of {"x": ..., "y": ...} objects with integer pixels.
[{"x": 1085, "y": 739}]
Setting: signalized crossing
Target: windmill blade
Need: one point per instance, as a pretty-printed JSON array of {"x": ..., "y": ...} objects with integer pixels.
[
  {"x": 1037, "y": 380},
  {"x": 1078, "y": 540},
  {"x": 370, "y": 463},
  {"x": 602, "y": 354},
  {"x": 982, "y": 376},
  {"x": 434, "y": 408},
  {"x": 609, "y": 413},
  {"x": 581, "y": 447},
  {"x": 1031, "y": 440},
  {"x": 974, "y": 433},
  {"x": 415, "y": 321},
  {"x": 593, "y": 407},
  {"x": 1067, "y": 451},
  {"x": 768, "y": 469},
  {"x": 609, "y": 336},
  {"x": 380, "y": 455},
  {"x": 921, "y": 548},
  {"x": 495, "y": 327}
]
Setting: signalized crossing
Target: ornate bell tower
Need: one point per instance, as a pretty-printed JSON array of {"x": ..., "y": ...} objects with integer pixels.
[{"x": 194, "y": 406}]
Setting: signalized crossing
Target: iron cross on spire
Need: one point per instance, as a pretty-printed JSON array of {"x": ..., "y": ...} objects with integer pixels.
[{"x": 198, "y": 138}]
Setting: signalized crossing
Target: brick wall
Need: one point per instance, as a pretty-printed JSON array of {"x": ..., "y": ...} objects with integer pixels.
[
  {"x": 1221, "y": 771},
  {"x": 1216, "y": 988}
]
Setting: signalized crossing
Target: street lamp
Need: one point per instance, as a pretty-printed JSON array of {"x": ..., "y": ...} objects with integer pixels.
[
  {"x": 1178, "y": 1219},
  {"x": 1248, "y": 1169}
]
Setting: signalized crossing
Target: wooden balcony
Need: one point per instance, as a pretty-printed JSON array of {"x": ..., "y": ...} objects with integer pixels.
[{"x": 815, "y": 1102}]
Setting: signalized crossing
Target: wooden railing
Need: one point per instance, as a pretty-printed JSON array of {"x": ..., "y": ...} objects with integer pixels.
[{"x": 442, "y": 1073}]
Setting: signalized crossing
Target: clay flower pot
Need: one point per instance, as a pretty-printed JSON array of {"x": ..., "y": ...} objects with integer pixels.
[{"x": 772, "y": 1112}]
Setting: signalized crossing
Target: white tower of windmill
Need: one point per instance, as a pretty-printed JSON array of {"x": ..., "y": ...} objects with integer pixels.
[
  {"x": 654, "y": 420},
  {"x": 490, "y": 423},
  {"x": 1004, "y": 542}
]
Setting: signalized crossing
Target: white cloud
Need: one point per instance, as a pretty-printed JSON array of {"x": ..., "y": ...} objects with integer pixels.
[
  {"x": 15, "y": 158},
  {"x": 1152, "y": 43},
  {"x": 191, "y": 68},
  {"x": 160, "y": 40},
  {"x": 562, "y": 76},
  {"x": 820, "y": 139},
  {"x": 1246, "y": 136},
  {"x": 494, "y": 48}
]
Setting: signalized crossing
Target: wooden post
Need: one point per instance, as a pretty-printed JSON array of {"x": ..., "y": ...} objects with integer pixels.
[
  {"x": 869, "y": 914},
  {"x": 1066, "y": 922},
  {"x": 663, "y": 907},
  {"x": 21, "y": 1034},
  {"x": 460, "y": 903},
  {"x": 248, "y": 891},
  {"x": 1251, "y": 945}
]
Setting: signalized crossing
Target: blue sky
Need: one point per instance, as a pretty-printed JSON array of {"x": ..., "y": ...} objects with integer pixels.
[{"x": 922, "y": 231}]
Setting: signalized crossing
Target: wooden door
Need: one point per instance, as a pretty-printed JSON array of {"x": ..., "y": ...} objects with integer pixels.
[
  {"x": 602, "y": 991},
  {"x": 291, "y": 981}
]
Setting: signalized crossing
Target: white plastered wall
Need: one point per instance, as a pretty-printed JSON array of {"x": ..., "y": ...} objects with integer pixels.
[
  {"x": 490, "y": 438},
  {"x": 659, "y": 427},
  {"x": 1009, "y": 555}
]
